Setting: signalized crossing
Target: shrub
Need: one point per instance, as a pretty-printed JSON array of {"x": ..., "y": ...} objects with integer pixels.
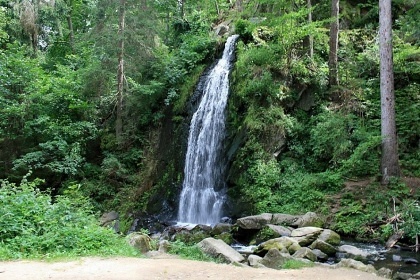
[{"x": 33, "y": 225}]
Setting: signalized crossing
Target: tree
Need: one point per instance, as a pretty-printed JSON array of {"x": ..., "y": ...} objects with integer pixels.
[
  {"x": 309, "y": 40},
  {"x": 334, "y": 28},
  {"x": 120, "y": 72},
  {"x": 389, "y": 157}
]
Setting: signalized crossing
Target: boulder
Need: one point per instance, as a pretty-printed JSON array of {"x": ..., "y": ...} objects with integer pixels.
[
  {"x": 324, "y": 247},
  {"x": 281, "y": 243},
  {"x": 280, "y": 230},
  {"x": 255, "y": 261},
  {"x": 320, "y": 255},
  {"x": 139, "y": 241},
  {"x": 411, "y": 261},
  {"x": 384, "y": 272},
  {"x": 305, "y": 253},
  {"x": 254, "y": 222},
  {"x": 274, "y": 259},
  {"x": 330, "y": 237},
  {"x": 306, "y": 235},
  {"x": 284, "y": 219},
  {"x": 221, "y": 228},
  {"x": 226, "y": 237},
  {"x": 219, "y": 249},
  {"x": 402, "y": 276},
  {"x": 349, "y": 263},
  {"x": 164, "y": 246},
  {"x": 353, "y": 252},
  {"x": 110, "y": 219},
  {"x": 310, "y": 219}
]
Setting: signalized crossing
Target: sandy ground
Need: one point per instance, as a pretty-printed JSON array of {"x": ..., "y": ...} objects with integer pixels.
[{"x": 162, "y": 268}]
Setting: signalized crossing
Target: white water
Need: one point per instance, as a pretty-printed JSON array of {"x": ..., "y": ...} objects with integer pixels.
[{"x": 203, "y": 191}]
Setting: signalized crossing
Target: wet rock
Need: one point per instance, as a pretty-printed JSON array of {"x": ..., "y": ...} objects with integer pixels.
[
  {"x": 411, "y": 261},
  {"x": 221, "y": 228},
  {"x": 280, "y": 230},
  {"x": 396, "y": 258},
  {"x": 226, "y": 237},
  {"x": 219, "y": 249},
  {"x": 254, "y": 222},
  {"x": 305, "y": 253},
  {"x": 353, "y": 252}
]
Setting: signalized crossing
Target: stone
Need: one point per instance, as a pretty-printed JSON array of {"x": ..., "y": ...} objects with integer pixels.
[
  {"x": 284, "y": 219},
  {"x": 320, "y": 255},
  {"x": 384, "y": 272},
  {"x": 350, "y": 263},
  {"x": 411, "y": 261},
  {"x": 306, "y": 235},
  {"x": 280, "y": 230},
  {"x": 324, "y": 247},
  {"x": 254, "y": 222},
  {"x": 164, "y": 246},
  {"x": 111, "y": 220},
  {"x": 221, "y": 228},
  {"x": 139, "y": 241},
  {"x": 402, "y": 276},
  {"x": 330, "y": 237},
  {"x": 255, "y": 261},
  {"x": 310, "y": 219},
  {"x": 226, "y": 237},
  {"x": 274, "y": 259},
  {"x": 219, "y": 249},
  {"x": 305, "y": 253},
  {"x": 396, "y": 258},
  {"x": 353, "y": 252},
  {"x": 281, "y": 243}
]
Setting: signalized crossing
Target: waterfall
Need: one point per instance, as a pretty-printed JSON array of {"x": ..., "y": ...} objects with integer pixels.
[{"x": 203, "y": 189}]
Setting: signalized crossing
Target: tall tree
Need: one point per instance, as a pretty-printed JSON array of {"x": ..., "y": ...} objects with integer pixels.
[
  {"x": 309, "y": 40},
  {"x": 120, "y": 71},
  {"x": 389, "y": 157},
  {"x": 333, "y": 58}
]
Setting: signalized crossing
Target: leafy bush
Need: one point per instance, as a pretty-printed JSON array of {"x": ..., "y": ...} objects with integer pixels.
[{"x": 33, "y": 225}]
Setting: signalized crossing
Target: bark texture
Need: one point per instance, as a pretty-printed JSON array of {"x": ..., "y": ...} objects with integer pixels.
[
  {"x": 333, "y": 58},
  {"x": 389, "y": 157},
  {"x": 120, "y": 71}
]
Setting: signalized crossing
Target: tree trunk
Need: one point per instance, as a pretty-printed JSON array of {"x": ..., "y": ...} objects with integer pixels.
[
  {"x": 120, "y": 71},
  {"x": 389, "y": 157},
  {"x": 70, "y": 24},
  {"x": 181, "y": 8},
  {"x": 333, "y": 59}
]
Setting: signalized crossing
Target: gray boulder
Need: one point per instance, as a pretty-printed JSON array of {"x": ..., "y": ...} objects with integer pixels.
[
  {"x": 402, "y": 276},
  {"x": 221, "y": 228},
  {"x": 274, "y": 259},
  {"x": 110, "y": 219},
  {"x": 306, "y": 235},
  {"x": 283, "y": 244},
  {"x": 353, "y": 252},
  {"x": 139, "y": 241},
  {"x": 284, "y": 219},
  {"x": 330, "y": 237},
  {"x": 254, "y": 222},
  {"x": 320, "y": 255},
  {"x": 280, "y": 230},
  {"x": 164, "y": 246},
  {"x": 324, "y": 247},
  {"x": 305, "y": 253},
  {"x": 349, "y": 263},
  {"x": 310, "y": 219},
  {"x": 384, "y": 272},
  {"x": 255, "y": 261},
  {"x": 219, "y": 249}
]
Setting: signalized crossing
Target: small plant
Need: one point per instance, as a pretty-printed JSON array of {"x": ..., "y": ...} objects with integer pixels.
[
  {"x": 190, "y": 252},
  {"x": 296, "y": 264}
]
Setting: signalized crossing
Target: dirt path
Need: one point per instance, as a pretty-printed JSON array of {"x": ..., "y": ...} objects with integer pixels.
[{"x": 166, "y": 268}]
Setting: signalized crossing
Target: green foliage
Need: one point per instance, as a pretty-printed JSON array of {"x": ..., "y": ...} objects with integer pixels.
[
  {"x": 33, "y": 225},
  {"x": 296, "y": 264},
  {"x": 190, "y": 252}
]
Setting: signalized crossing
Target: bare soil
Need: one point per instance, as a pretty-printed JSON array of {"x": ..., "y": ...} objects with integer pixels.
[{"x": 162, "y": 268}]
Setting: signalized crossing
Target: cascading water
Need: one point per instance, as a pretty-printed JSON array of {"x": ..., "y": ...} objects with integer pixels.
[{"x": 203, "y": 191}]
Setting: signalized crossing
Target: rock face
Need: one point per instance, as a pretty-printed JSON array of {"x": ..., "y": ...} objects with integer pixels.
[
  {"x": 219, "y": 249},
  {"x": 110, "y": 219}
]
